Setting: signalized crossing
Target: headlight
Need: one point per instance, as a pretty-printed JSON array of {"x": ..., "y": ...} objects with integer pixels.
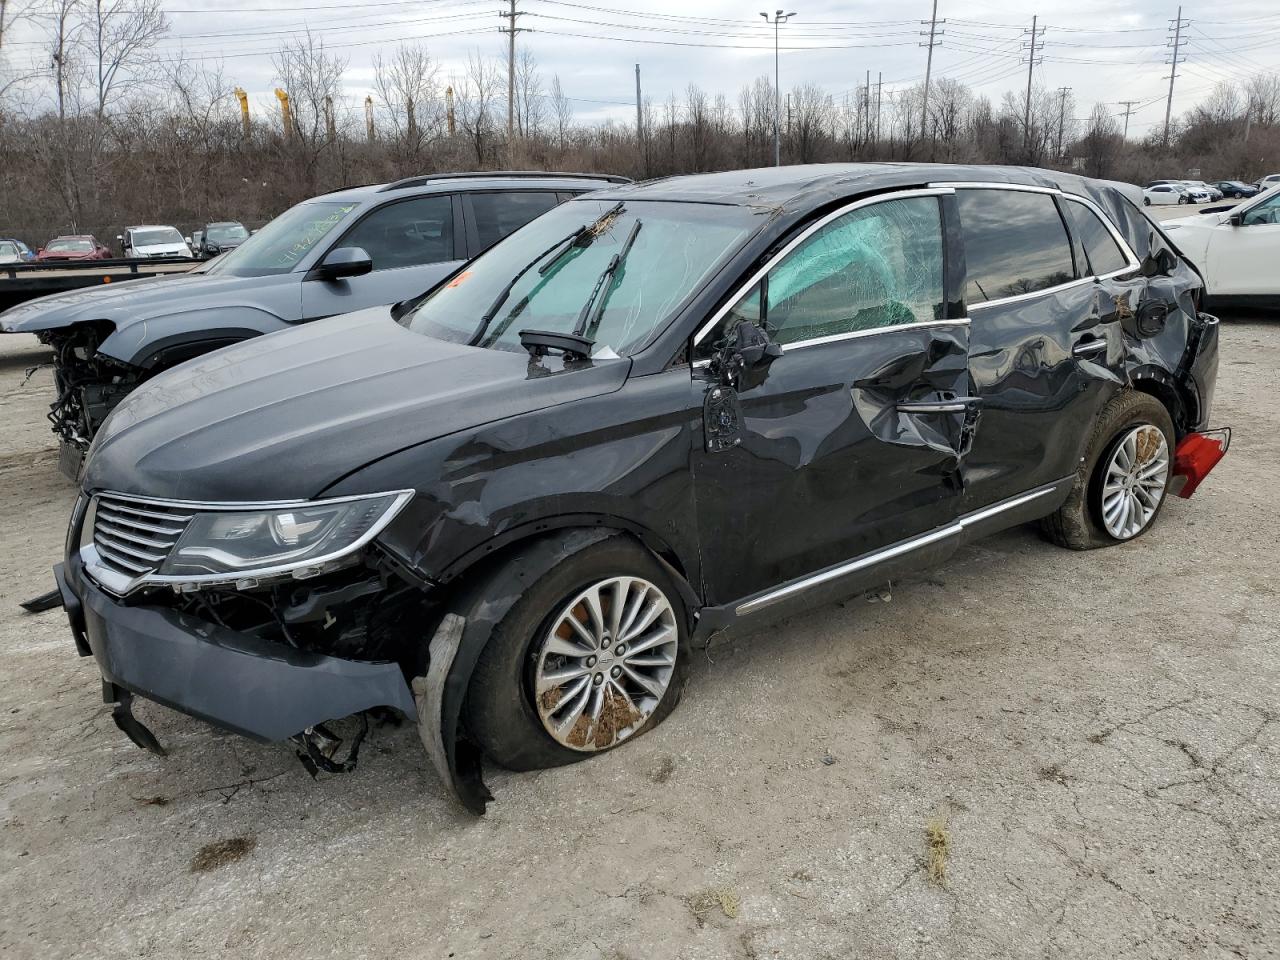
[{"x": 279, "y": 539}]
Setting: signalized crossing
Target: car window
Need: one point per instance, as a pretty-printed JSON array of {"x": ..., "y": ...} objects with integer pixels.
[
  {"x": 8, "y": 250},
  {"x": 877, "y": 266},
  {"x": 537, "y": 279},
  {"x": 408, "y": 233},
  {"x": 281, "y": 244},
  {"x": 70, "y": 246},
  {"x": 1014, "y": 243},
  {"x": 1268, "y": 211},
  {"x": 1104, "y": 254},
  {"x": 150, "y": 238},
  {"x": 498, "y": 214}
]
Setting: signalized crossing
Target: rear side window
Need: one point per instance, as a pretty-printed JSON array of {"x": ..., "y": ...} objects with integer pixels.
[
  {"x": 1014, "y": 243},
  {"x": 1100, "y": 247},
  {"x": 409, "y": 233},
  {"x": 498, "y": 214}
]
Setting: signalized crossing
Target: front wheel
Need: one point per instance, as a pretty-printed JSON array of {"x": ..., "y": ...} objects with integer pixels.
[
  {"x": 1146, "y": 201},
  {"x": 1182, "y": 200},
  {"x": 590, "y": 657},
  {"x": 1123, "y": 476}
]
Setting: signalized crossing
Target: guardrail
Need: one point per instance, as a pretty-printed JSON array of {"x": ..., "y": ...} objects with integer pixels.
[
  {"x": 20, "y": 282},
  {"x": 114, "y": 265}
]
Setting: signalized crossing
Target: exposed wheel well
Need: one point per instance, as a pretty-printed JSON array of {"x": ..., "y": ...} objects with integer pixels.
[
  {"x": 1168, "y": 395},
  {"x": 481, "y": 560}
]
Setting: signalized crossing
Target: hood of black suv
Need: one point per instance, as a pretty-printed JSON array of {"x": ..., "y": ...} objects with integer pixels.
[{"x": 283, "y": 416}]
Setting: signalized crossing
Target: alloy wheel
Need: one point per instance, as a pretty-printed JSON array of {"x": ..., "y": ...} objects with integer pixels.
[
  {"x": 605, "y": 664},
  {"x": 1134, "y": 482}
]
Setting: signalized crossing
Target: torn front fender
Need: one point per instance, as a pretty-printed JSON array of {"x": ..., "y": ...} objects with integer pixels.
[{"x": 455, "y": 649}]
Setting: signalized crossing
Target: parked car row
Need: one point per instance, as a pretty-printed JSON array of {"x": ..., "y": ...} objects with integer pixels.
[
  {"x": 1198, "y": 191},
  {"x": 601, "y": 423},
  {"x": 140, "y": 242}
]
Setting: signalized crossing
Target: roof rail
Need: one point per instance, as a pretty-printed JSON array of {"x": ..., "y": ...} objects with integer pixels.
[{"x": 499, "y": 174}]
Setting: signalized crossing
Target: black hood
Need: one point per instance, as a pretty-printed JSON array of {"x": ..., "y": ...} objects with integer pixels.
[{"x": 284, "y": 416}]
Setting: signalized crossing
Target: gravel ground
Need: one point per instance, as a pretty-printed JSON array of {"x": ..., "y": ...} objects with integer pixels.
[{"x": 1093, "y": 736}]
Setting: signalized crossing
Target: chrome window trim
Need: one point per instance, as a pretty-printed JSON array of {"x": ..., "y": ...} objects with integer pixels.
[
  {"x": 930, "y": 191},
  {"x": 1134, "y": 262},
  {"x": 122, "y": 586},
  {"x": 952, "y": 529}
]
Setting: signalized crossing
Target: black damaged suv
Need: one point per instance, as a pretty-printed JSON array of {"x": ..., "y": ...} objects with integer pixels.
[{"x": 649, "y": 415}]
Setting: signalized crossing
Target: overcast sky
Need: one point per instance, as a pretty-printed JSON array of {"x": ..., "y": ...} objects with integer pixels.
[{"x": 1105, "y": 50}]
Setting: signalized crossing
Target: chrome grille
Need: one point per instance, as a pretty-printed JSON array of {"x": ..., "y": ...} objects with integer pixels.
[{"x": 133, "y": 537}]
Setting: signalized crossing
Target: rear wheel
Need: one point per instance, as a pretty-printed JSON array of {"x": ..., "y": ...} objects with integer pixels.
[
  {"x": 591, "y": 656},
  {"x": 1123, "y": 477}
]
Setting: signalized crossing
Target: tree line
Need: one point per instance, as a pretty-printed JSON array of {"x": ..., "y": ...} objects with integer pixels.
[{"x": 110, "y": 133}]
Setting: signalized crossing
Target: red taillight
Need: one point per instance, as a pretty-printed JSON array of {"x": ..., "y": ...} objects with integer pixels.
[{"x": 1195, "y": 455}]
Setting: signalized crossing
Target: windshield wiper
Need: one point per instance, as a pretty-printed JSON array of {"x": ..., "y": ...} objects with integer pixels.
[
  {"x": 580, "y": 238},
  {"x": 577, "y": 343}
]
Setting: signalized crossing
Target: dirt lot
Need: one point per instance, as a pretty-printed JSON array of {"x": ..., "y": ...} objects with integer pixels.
[{"x": 1098, "y": 733}]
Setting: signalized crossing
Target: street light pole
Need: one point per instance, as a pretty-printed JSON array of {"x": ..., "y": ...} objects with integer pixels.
[{"x": 779, "y": 18}]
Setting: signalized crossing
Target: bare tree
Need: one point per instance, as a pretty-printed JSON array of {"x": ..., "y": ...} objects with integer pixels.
[
  {"x": 1102, "y": 142},
  {"x": 1263, "y": 92},
  {"x": 121, "y": 36},
  {"x": 562, "y": 110},
  {"x": 530, "y": 99},
  {"x": 313, "y": 80},
  {"x": 408, "y": 88},
  {"x": 477, "y": 97}
]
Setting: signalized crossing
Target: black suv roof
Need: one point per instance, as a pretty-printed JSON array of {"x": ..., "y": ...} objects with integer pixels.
[{"x": 485, "y": 180}]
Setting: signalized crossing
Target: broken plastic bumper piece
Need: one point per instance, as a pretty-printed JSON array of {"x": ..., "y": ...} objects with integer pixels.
[
  {"x": 246, "y": 684},
  {"x": 1195, "y": 455}
]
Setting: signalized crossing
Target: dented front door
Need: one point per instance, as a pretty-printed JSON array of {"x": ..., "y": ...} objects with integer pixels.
[{"x": 852, "y": 439}]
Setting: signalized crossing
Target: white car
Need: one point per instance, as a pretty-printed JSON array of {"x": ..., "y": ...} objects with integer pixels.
[
  {"x": 154, "y": 241},
  {"x": 1267, "y": 182},
  {"x": 1237, "y": 250},
  {"x": 1211, "y": 191},
  {"x": 1165, "y": 193}
]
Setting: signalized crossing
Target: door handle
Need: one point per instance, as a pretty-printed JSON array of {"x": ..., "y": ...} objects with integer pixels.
[
  {"x": 1089, "y": 348},
  {"x": 954, "y": 405}
]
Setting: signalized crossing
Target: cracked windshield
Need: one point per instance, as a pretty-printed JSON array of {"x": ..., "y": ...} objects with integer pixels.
[{"x": 613, "y": 272}]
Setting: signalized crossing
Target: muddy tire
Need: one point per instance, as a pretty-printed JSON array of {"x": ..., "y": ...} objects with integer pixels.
[
  {"x": 1086, "y": 520},
  {"x": 546, "y": 692}
]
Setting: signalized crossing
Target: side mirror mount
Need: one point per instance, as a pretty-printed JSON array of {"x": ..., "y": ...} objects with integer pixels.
[
  {"x": 745, "y": 356},
  {"x": 1236, "y": 219},
  {"x": 344, "y": 262}
]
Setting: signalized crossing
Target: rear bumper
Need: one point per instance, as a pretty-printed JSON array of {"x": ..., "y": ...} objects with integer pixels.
[{"x": 255, "y": 687}]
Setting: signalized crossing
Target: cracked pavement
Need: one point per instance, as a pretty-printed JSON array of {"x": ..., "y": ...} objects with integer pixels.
[{"x": 1100, "y": 731}]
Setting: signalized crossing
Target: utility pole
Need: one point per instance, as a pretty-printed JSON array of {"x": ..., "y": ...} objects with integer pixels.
[
  {"x": 511, "y": 30},
  {"x": 1062, "y": 118},
  {"x": 1031, "y": 66},
  {"x": 934, "y": 32},
  {"x": 879, "y": 91},
  {"x": 640, "y": 124},
  {"x": 1176, "y": 43},
  {"x": 779, "y": 18},
  {"x": 866, "y": 109},
  {"x": 368, "y": 117},
  {"x": 1128, "y": 109}
]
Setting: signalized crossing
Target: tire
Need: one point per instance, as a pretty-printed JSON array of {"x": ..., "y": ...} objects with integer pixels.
[
  {"x": 1146, "y": 201},
  {"x": 503, "y": 712},
  {"x": 1182, "y": 200},
  {"x": 1080, "y": 523}
]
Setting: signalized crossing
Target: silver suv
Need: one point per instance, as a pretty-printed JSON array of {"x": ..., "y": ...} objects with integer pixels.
[{"x": 343, "y": 251}]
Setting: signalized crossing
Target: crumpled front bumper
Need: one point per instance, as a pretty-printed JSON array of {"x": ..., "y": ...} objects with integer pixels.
[{"x": 242, "y": 683}]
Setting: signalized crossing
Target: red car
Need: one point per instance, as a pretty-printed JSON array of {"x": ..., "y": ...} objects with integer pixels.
[{"x": 81, "y": 247}]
